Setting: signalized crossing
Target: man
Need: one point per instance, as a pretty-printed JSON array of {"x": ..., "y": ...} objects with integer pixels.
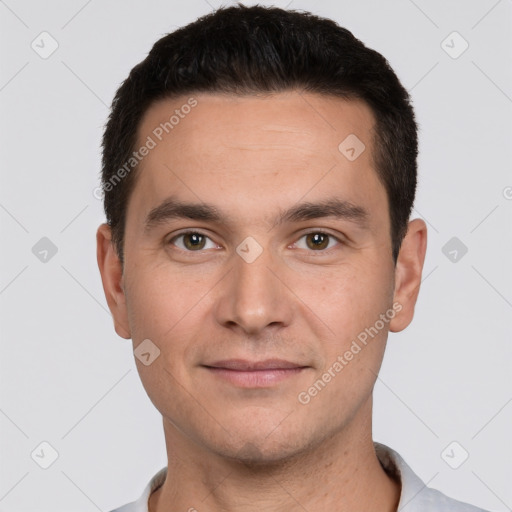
[{"x": 259, "y": 170}]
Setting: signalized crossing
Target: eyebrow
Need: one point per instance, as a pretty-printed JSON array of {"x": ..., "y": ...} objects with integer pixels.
[
  {"x": 171, "y": 208},
  {"x": 337, "y": 208}
]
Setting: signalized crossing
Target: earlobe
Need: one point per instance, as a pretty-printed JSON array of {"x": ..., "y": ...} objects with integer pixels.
[
  {"x": 112, "y": 278},
  {"x": 408, "y": 273}
]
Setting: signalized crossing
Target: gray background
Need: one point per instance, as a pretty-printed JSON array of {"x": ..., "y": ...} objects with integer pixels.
[{"x": 67, "y": 379}]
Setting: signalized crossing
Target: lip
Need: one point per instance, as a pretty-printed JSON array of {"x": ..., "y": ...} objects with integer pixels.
[
  {"x": 244, "y": 365},
  {"x": 254, "y": 374}
]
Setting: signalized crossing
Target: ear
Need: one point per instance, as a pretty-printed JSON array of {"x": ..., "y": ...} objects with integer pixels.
[
  {"x": 112, "y": 277},
  {"x": 408, "y": 273}
]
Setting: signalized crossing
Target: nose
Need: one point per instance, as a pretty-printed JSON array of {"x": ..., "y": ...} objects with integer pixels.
[{"x": 254, "y": 296}]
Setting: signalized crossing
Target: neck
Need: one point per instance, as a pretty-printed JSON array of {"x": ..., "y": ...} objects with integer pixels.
[{"x": 341, "y": 473}]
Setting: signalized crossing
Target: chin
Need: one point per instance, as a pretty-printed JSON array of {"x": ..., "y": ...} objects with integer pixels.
[
  {"x": 256, "y": 455},
  {"x": 268, "y": 447}
]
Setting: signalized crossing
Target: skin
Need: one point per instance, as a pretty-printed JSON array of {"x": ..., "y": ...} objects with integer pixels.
[{"x": 251, "y": 449}]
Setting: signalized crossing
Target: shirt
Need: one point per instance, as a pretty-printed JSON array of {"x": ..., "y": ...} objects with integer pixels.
[{"x": 414, "y": 497}]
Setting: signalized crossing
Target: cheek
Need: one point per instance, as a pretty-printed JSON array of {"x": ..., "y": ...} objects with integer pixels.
[
  {"x": 164, "y": 308},
  {"x": 352, "y": 346},
  {"x": 159, "y": 298},
  {"x": 349, "y": 302},
  {"x": 347, "y": 299}
]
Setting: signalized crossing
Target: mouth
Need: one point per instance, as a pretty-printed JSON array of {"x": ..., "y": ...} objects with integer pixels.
[{"x": 254, "y": 374}]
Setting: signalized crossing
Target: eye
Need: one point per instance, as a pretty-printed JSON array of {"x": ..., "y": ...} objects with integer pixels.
[
  {"x": 317, "y": 241},
  {"x": 192, "y": 241}
]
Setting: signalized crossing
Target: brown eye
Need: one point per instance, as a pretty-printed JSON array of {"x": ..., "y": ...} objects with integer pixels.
[
  {"x": 317, "y": 241},
  {"x": 192, "y": 241}
]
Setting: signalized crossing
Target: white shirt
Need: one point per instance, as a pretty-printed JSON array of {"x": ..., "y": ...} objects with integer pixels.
[{"x": 415, "y": 495}]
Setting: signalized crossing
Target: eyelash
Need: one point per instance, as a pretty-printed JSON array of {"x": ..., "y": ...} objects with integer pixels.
[{"x": 319, "y": 232}]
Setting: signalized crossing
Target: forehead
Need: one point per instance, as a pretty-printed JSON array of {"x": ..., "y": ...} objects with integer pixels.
[
  {"x": 283, "y": 146},
  {"x": 309, "y": 121}
]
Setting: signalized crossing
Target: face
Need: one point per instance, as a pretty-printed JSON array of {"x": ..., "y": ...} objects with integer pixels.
[{"x": 257, "y": 259}]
